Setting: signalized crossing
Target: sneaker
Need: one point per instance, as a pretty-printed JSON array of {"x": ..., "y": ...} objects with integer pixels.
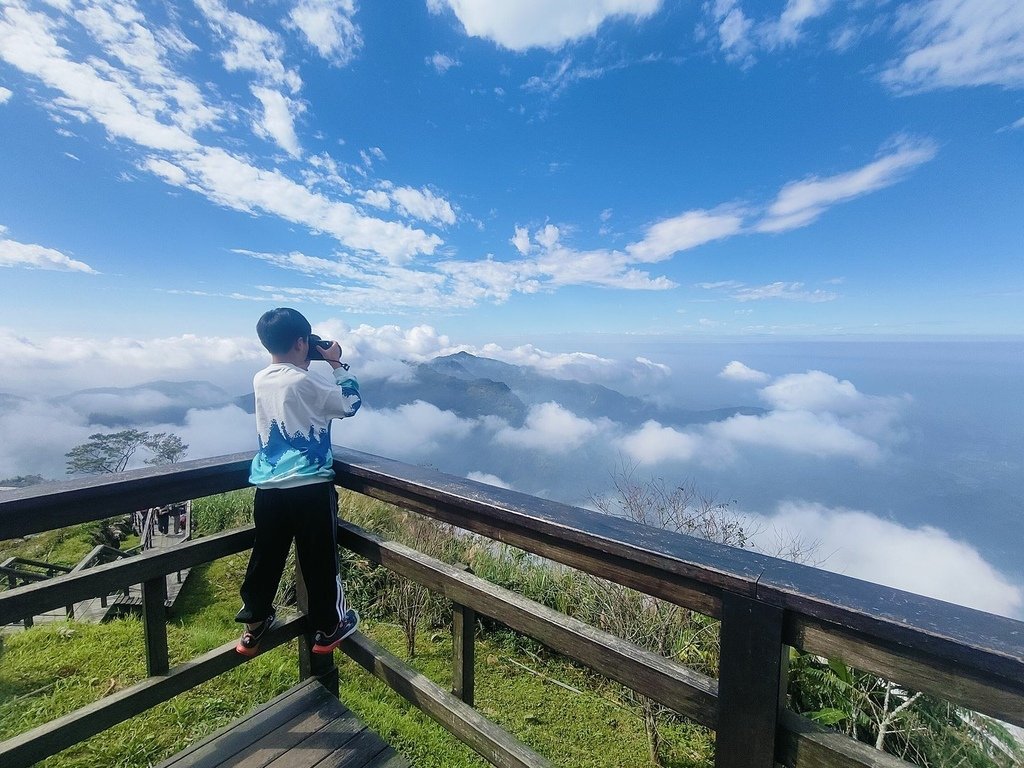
[
  {"x": 249, "y": 643},
  {"x": 325, "y": 643}
]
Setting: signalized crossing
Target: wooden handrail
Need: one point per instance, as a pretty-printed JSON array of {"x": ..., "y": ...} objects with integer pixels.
[{"x": 970, "y": 657}]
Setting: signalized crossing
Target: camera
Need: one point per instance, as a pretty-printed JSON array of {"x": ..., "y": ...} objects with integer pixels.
[{"x": 315, "y": 345}]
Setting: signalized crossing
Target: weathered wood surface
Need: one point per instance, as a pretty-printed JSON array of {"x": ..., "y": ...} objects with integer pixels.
[
  {"x": 57, "y": 505},
  {"x": 492, "y": 742},
  {"x": 52, "y": 737},
  {"x": 748, "y": 684},
  {"x": 303, "y": 727}
]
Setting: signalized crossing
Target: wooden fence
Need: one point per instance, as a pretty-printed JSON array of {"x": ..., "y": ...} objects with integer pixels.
[{"x": 765, "y": 604}]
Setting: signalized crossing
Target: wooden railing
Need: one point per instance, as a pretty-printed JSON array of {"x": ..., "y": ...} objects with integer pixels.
[{"x": 971, "y": 658}]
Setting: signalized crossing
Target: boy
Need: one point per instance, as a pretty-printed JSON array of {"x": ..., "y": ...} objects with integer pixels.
[{"x": 293, "y": 474}]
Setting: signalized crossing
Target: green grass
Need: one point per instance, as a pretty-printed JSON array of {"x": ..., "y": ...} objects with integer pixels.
[
  {"x": 556, "y": 707},
  {"x": 65, "y": 546}
]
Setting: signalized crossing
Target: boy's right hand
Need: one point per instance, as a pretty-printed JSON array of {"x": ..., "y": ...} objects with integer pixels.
[{"x": 333, "y": 353}]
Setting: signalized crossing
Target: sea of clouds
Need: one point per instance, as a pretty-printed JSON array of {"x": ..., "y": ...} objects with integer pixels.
[{"x": 790, "y": 472}]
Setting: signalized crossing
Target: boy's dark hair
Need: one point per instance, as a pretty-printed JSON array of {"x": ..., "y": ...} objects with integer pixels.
[{"x": 279, "y": 328}]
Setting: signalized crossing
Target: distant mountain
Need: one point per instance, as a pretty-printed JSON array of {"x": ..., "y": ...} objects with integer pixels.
[
  {"x": 155, "y": 402},
  {"x": 471, "y": 387},
  {"x": 587, "y": 400},
  {"x": 9, "y": 402}
]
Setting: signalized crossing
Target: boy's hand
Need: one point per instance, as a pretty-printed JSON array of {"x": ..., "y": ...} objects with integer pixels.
[{"x": 332, "y": 354}]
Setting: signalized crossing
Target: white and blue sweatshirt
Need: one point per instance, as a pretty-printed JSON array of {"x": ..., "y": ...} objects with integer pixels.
[{"x": 293, "y": 419}]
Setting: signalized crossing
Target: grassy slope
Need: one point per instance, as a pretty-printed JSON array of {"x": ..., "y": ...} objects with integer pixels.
[{"x": 52, "y": 670}]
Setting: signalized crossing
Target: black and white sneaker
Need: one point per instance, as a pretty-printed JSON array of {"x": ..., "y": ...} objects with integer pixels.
[
  {"x": 324, "y": 642},
  {"x": 249, "y": 642}
]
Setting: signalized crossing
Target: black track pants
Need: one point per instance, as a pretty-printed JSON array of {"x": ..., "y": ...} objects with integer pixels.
[{"x": 307, "y": 513}]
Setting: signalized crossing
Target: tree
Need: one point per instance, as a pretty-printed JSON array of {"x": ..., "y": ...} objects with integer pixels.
[
  {"x": 166, "y": 448},
  {"x": 111, "y": 452}
]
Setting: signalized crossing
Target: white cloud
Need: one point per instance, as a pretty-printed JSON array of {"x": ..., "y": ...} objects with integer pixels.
[
  {"x": 28, "y": 42},
  {"x": 150, "y": 110},
  {"x": 803, "y": 432},
  {"x": 423, "y": 204},
  {"x": 818, "y": 392},
  {"x": 38, "y": 365},
  {"x": 37, "y": 434},
  {"x": 737, "y": 371},
  {"x": 796, "y": 13},
  {"x": 801, "y": 202},
  {"x": 387, "y": 432},
  {"x": 551, "y": 24},
  {"x": 683, "y": 232},
  {"x": 213, "y": 432},
  {"x": 581, "y": 366},
  {"x": 655, "y": 444},
  {"x": 442, "y": 62},
  {"x": 328, "y": 26},
  {"x": 956, "y": 43},
  {"x": 251, "y": 46},
  {"x": 278, "y": 119},
  {"x": 235, "y": 183},
  {"x": 488, "y": 479},
  {"x": 735, "y": 32},
  {"x": 31, "y": 256},
  {"x": 782, "y": 290},
  {"x": 552, "y": 429},
  {"x": 521, "y": 240},
  {"x": 924, "y": 560},
  {"x": 5, "y": 94}
]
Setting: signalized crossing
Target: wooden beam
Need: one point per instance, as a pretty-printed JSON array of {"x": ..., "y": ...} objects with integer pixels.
[
  {"x": 154, "y": 623},
  {"x": 57, "y": 505},
  {"x": 748, "y": 683},
  {"x": 104, "y": 579},
  {"x": 656, "y": 677}
]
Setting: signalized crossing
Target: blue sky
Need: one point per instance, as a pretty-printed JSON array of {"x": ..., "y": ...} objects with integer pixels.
[
  {"x": 506, "y": 170},
  {"x": 575, "y": 186}
]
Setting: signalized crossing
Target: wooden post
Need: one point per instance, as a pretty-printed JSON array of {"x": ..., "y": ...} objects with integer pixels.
[
  {"x": 312, "y": 664},
  {"x": 749, "y": 680},
  {"x": 154, "y": 596},
  {"x": 463, "y": 649}
]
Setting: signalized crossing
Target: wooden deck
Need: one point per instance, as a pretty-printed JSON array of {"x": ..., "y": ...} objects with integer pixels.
[{"x": 303, "y": 727}]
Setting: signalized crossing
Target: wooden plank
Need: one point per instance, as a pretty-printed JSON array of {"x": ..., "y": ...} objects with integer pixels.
[
  {"x": 240, "y": 734},
  {"x": 104, "y": 579},
  {"x": 274, "y": 744},
  {"x": 50, "y": 738},
  {"x": 804, "y": 744},
  {"x": 57, "y": 505},
  {"x": 154, "y": 622},
  {"x": 491, "y": 741},
  {"x": 748, "y": 683},
  {"x": 990, "y": 694},
  {"x": 356, "y": 753},
  {"x": 388, "y": 759},
  {"x": 338, "y": 733},
  {"x": 961, "y": 636},
  {"x": 668, "y": 683},
  {"x": 463, "y": 652}
]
